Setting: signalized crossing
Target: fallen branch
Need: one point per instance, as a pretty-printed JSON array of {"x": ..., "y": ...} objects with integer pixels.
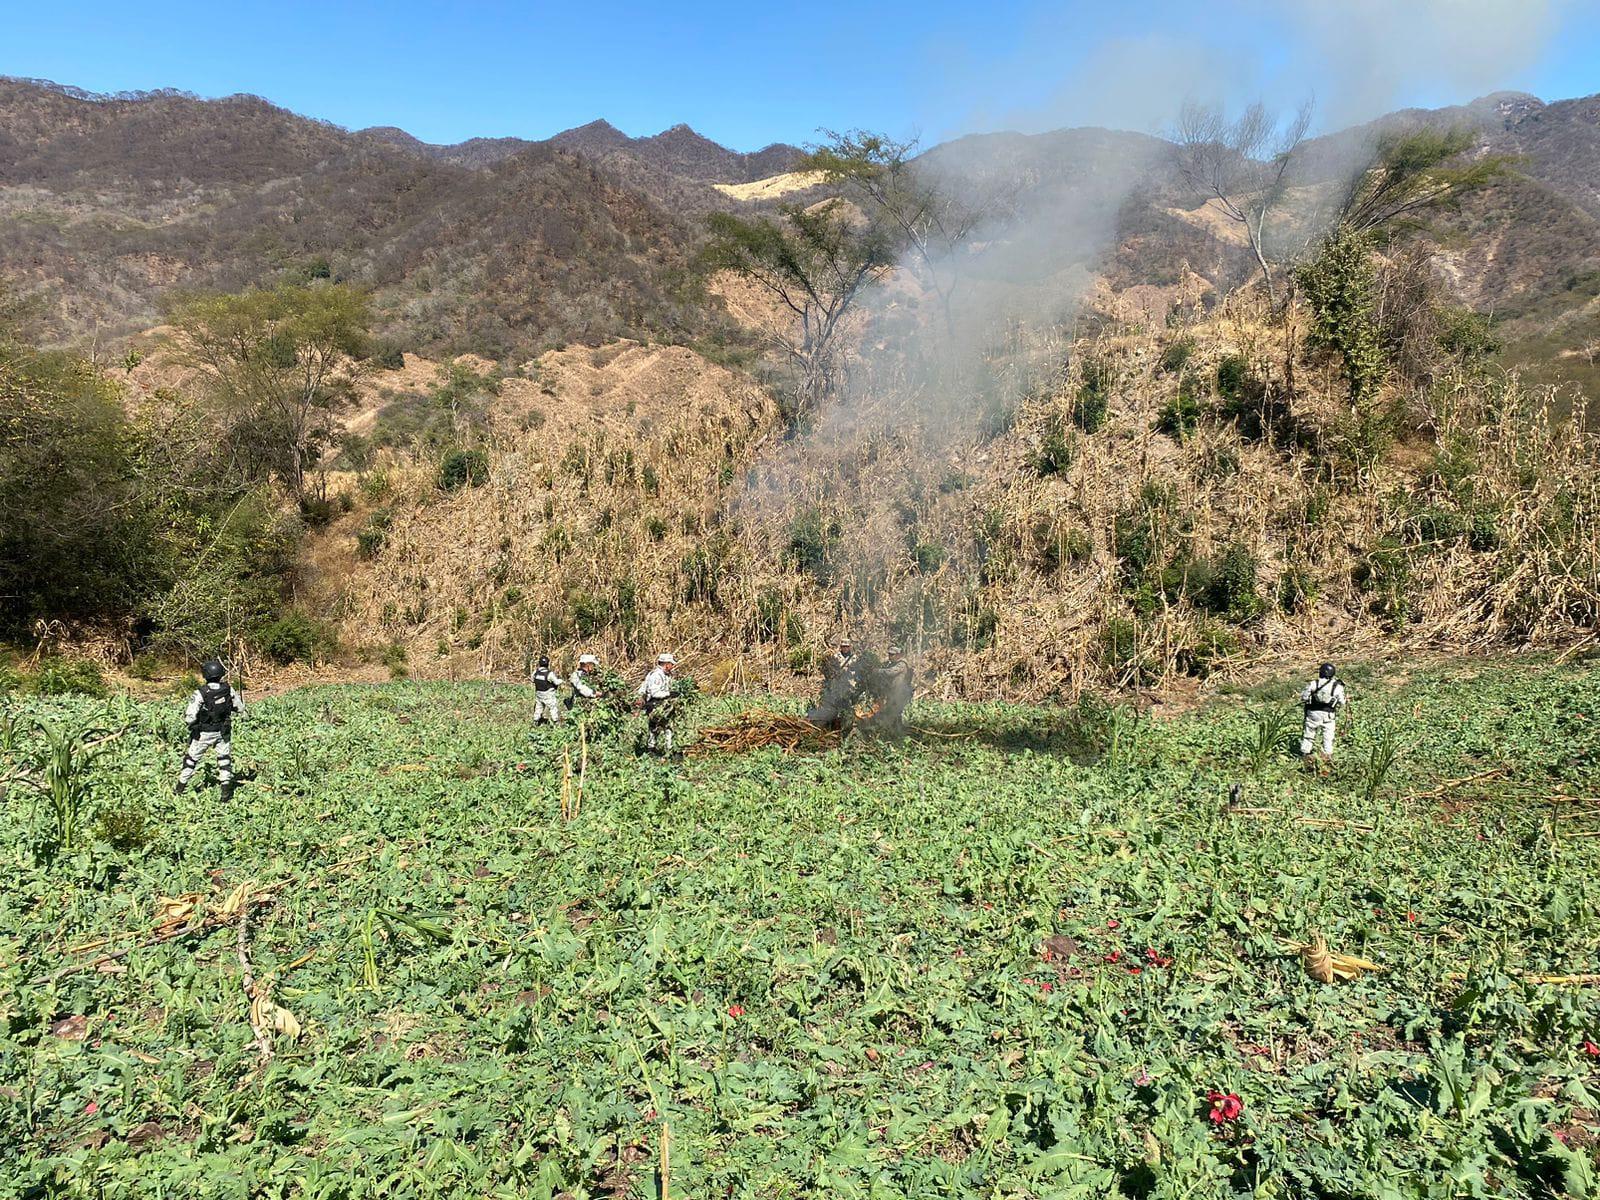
[{"x": 1448, "y": 784}]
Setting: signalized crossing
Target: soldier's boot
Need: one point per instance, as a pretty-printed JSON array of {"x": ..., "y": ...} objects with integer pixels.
[
  {"x": 180, "y": 787},
  {"x": 227, "y": 791}
]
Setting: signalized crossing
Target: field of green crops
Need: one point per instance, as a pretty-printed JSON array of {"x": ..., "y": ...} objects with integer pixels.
[{"x": 1028, "y": 953}]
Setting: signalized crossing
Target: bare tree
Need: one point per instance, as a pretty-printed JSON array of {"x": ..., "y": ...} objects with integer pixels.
[{"x": 1242, "y": 167}]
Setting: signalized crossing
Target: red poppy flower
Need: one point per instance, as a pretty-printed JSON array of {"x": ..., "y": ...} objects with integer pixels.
[
  {"x": 1027, "y": 983},
  {"x": 1113, "y": 956},
  {"x": 91, "y": 1108},
  {"x": 1411, "y": 916},
  {"x": 1113, "y": 923},
  {"x": 1225, "y": 1107},
  {"x": 1591, "y": 1048},
  {"x": 1047, "y": 988},
  {"x": 1156, "y": 958},
  {"x": 1135, "y": 970},
  {"x": 736, "y": 1010}
]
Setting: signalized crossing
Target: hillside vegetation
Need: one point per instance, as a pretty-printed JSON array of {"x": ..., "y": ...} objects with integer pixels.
[{"x": 1138, "y": 509}]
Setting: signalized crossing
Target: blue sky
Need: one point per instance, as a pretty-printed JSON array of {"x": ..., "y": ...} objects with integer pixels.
[{"x": 751, "y": 73}]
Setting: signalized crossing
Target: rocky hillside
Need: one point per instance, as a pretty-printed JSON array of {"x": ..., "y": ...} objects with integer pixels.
[
  {"x": 506, "y": 247},
  {"x": 107, "y": 203}
]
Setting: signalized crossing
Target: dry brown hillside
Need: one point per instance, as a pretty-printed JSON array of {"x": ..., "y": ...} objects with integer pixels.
[{"x": 641, "y": 498}]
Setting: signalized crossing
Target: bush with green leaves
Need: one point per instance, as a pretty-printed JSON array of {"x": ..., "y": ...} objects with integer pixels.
[
  {"x": 1057, "y": 446},
  {"x": 1092, "y": 403},
  {"x": 461, "y": 468},
  {"x": 62, "y": 676},
  {"x": 1180, "y": 416},
  {"x": 296, "y": 637},
  {"x": 1340, "y": 285}
]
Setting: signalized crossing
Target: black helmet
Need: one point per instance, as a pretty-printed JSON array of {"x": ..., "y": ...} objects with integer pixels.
[
  {"x": 213, "y": 671},
  {"x": 544, "y": 660},
  {"x": 1327, "y": 671}
]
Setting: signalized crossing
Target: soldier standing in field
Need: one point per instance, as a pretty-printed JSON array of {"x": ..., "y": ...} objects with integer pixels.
[
  {"x": 655, "y": 699},
  {"x": 1321, "y": 699},
  {"x": 840, "y": 683},
  {"x": 546, "y": 699},
  {"x": 839, "y": 661},
  {"x": 209, "y": 716},
  {"x": 893, "y": 684}
]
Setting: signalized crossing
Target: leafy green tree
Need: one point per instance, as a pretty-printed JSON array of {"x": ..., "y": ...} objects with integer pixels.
[
  {"x": 816, "y": 263},
  {"x": 76, "y": 533},
  {"x": 1414, "y": 172},
  {"x": 278, "y": 364},
  {"x": 927, "y": 221},
  {"x": 1340, "y": 285}
]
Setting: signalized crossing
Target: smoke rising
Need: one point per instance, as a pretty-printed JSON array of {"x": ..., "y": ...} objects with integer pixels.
[{"x": 932, "y": 373}]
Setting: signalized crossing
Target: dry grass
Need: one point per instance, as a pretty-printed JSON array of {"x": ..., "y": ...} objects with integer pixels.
[{"x": 656, "y": 507}]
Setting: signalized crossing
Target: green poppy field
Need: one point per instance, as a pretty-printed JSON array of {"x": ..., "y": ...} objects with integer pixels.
[{"x": 1025, "y": 953}]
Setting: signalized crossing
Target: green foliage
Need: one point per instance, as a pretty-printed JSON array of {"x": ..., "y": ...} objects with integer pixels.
[
  {"x": 1386, "y": 574},
  {"x": 388, "y": 356},
  {"x": 1381, "y": 758},
  {"x": 234, "y": 580},
  {"x": 79, "y": 538},
  {"x": 1175, "y": 355},
  {"x": 1093, "y": 401},
  {"x": 1180, "y": 416},
  {"x": 1270, "y": 738},
  {"x": 59, "y": 775},
  {"x": 927, "y": 557},
  {"x": 1059, "y": 544},
  {"x": 462, "y": 467},
  {"x": 371, "y": 538},
  {"x": 396, "y": 658},
  {"x": 758, "y": 999},
  {"x": 812, "y": 539},
  {"x": 1298, "y": 589},
  {"x": 815, "y": 260},
  {"x": 1414, "y": 171},
  {"x": 1233, "y": 378},
  {"x": 1208, "y": 646},
  {"x": 295, "y": 637},
  {"x": 277, "y": 365},
  {"x": 589, "y": 613},
  {"x": 1340, "y": 286},
  {"x": 57, "y": 676},
  {"x": 1467, "y": 337},
  {"x": 1231, "y": 590},
  {"x": 1057, "y": 446}
]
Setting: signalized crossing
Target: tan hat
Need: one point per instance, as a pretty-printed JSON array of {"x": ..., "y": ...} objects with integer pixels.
[
  {"x": 587, "y": 660},
  {"x": 666, "y": 660}
]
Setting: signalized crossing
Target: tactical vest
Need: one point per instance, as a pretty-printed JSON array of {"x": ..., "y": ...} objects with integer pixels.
[
  {"x": 541, "y": 680},
  {"x": 216, "y": 709},
  {"x": 1322, "y": 696}
]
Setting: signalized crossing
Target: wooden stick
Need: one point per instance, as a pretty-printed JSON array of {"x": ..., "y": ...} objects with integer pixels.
[{"x": 666, "y": 1160}]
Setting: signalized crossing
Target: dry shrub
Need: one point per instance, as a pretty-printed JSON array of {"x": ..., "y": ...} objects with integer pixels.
[{"x": 664, "y": 511}]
